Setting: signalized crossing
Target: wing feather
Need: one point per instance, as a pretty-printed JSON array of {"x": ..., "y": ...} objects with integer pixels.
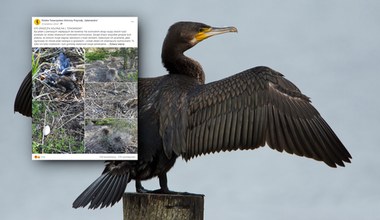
[
  {"x": 23, "y": 101},
  {"x": 257, "y": 107}
]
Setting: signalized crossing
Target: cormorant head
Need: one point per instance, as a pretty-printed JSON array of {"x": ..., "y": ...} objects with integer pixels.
[{"x": 183, "y": 35}]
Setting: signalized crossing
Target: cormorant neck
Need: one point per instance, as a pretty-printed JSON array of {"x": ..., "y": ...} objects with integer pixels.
[{"x": 177, "y": 63}]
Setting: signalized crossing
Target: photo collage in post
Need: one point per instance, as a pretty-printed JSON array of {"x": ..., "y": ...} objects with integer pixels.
[{"x": 84, "y": 92}]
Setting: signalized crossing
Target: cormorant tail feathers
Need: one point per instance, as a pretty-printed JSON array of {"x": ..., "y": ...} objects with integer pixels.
[{"x": 105, "y": 191}]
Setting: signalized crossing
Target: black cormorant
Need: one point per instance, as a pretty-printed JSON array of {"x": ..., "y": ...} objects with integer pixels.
[{"x": 179, "y": 115}]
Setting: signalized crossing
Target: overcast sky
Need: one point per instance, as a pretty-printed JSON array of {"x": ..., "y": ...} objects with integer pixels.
[{"x": 329, "y": 48}]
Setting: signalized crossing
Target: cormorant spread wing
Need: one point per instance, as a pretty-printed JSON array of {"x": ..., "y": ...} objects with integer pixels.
[{"x": 257, "y": 107}]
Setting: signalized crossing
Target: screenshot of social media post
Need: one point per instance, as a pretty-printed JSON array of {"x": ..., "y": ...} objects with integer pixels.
[{"x": 84, "y": 88}]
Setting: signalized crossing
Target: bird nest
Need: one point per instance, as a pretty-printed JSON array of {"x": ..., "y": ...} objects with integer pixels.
[
  {"x": 111, "y": 100},
  {"x": 46, "y": 64},
  {"x": 111, "y": 136},
  {"x": 111, "y": 65}
]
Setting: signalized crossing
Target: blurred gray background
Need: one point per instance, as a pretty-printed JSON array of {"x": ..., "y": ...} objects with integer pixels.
[{"x": 329, "y": 48}]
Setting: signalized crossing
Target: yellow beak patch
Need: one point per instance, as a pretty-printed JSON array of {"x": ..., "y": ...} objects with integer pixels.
[{"x": 205, "y": 33}]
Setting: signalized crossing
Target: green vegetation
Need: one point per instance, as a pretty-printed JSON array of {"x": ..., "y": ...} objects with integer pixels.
[
  {"x": 129, "y": 126},
  {"x": 57, "y": 143},
  {"x": 133, "y": 76},
  {"x": 37, "y": 107},
  {"x": 127, "y": 54},
  {"x": 96, "y": 54},
  {"x": 65, "y": 136},
  {"x": 129, "y": 77},
  {"x": 35, "y": 64}
]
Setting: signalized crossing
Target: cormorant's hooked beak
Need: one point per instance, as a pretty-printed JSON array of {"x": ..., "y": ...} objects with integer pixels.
[{"x": 205, "y": 33}]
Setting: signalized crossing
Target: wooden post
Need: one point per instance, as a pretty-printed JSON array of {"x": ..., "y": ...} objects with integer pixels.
[{"x": 146, "y": 206}]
